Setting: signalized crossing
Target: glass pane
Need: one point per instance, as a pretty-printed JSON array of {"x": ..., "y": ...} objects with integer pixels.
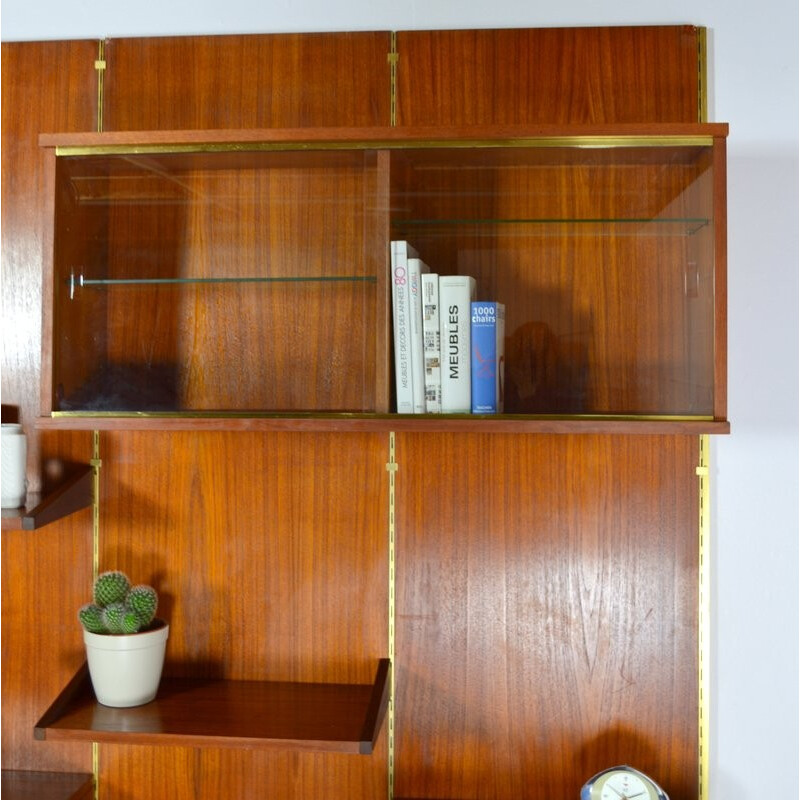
[
  {"x": 602, "y": 256},
  {"x": 216, "y": 281}
]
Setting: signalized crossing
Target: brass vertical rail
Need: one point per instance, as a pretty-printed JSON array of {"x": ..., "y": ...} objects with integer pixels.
[
  {"x": 391, "y": 467},
  {"x": 393, "y": 58},
  {"x": 704, "y": 616},
  {"x": 100, "y": 66},
  {"x": 95, "y": 463},
  {"x": 702, "y": 75}
]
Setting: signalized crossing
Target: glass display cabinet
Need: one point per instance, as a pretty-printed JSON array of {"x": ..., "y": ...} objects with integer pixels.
[{"x": 243, "y": 275}]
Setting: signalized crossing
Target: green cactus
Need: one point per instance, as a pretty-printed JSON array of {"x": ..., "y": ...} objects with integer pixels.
[
  {"x": 113, "y": 615},
  {"x": 130, "y": 621},
  {"x": 111, "y": 587},
  {"x": 118, "y": 608},
  {"x": 144, "y": 601},
  {"x": 91, "y": 617}
]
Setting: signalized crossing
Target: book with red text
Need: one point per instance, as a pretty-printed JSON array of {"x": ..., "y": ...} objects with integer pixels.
[{"x": 401, "y": 325}]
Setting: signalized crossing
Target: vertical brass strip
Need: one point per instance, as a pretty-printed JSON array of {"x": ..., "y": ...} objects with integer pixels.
[
  {"x": 96, "y": 463},
  {"x": 702, "y": 75},
  {"x": 96, "y": 770},
  {"x": 100, "y": 66},
  {"x": 393, "y": 57},
  {"x": 392, "y": 467},
  {"x": 704, "y": 616}
]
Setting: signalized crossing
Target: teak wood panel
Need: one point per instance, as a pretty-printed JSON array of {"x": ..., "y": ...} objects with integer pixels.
[
  {"x": 546, "y": 607},
  {"x": 581, "y": 75},
  {"x": 46, "y": 575},
  {"x": 270, "y": 555},
  {"x": 45, "y": 86},
  {"x": 251, "y": 81},
  {"x": 183, "y": 773}
]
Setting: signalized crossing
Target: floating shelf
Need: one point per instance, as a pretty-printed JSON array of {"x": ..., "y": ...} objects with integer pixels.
[
  {"x": 40, "y": 510},
  {"x": 331, "y": 717},
  {"x": 25, "y": 785}
]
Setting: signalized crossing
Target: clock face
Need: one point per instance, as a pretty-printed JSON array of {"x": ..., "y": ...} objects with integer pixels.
[{"x": 623, "y": 785}]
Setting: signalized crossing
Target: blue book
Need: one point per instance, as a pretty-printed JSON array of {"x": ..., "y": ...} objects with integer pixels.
[{"x": 487, "y": 334}]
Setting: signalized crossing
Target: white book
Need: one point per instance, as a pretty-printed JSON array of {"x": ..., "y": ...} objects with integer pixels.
[
  {"x": 456, "y": 293},
  {"x": 416, "y": 268},
  {"x": 401, "y": 325},
  {"x": 431, "y": 337}
]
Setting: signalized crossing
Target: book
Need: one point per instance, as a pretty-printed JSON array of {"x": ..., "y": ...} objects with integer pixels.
[
  {"x": 416, "y": 269},
  {"x": 431, "y": 336},
  {"x": 456, "y": 293},
  {"x": 404, "y": 392},
  {"x": 487, "y": 334}
]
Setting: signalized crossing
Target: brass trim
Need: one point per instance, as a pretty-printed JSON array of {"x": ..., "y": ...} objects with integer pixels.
[
  {"x": 96, "y": 770},
  {"x": 391, "y": 468},
  {"x": 704, "y": 617},
  {"x": 353, "y": 415},
  {"x": 702, "y": 75},
  {"x": 586, "y": 142},
  {"x": 393, "y": 58},
  {"x": 100, "y": 67},
  {"x": 95, "y": 464}
]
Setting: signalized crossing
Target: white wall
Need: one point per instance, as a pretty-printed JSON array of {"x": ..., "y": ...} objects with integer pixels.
[{"x": 754, "y": 71}]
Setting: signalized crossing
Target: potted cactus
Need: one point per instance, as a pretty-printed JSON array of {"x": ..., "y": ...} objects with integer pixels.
[{"x": 125, "y": 641}]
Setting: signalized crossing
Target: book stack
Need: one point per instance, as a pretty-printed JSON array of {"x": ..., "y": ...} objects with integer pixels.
[{"x": 448, "y": 348}]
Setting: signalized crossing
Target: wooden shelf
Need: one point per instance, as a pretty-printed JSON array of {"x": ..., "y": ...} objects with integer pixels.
[
  {"x": 409, "y": 423},
  {"x": 73, "y": 495},
  {"x": 343, "y": 718},
  {"x": 25, "y": 785}
]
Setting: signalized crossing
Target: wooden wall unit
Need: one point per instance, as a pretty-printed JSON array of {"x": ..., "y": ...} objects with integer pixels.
[{"x": 536, "y": 590}]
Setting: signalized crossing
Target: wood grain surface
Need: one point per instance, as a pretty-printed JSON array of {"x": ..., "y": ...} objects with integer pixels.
[
  {"x": 546, "y": 606},
  {"x": 581, "y": 75}
]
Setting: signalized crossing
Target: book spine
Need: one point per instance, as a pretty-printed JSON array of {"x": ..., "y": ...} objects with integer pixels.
[
  {"x": 487, "y": 335},
  {"x": 401, "y": 327},
  {"x": 456, "y": 293},
  {"x": 430, "y": 343},
  {"x": 416, "y": 268}
]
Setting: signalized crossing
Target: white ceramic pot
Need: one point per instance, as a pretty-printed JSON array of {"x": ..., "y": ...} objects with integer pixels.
[
  {"x": 13, "y": 460},
  {"x": 126, "y": 668}
]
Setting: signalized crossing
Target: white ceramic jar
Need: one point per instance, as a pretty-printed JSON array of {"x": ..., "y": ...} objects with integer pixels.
[{"x": 13, "y": 460}]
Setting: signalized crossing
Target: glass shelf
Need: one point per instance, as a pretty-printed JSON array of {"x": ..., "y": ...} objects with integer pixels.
[
  {"x": 80, "y": 282},
  {"x": 675, "y": 226}
]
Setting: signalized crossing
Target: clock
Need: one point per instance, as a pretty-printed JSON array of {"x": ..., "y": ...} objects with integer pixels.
[{"x": 622, "y": 783}]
